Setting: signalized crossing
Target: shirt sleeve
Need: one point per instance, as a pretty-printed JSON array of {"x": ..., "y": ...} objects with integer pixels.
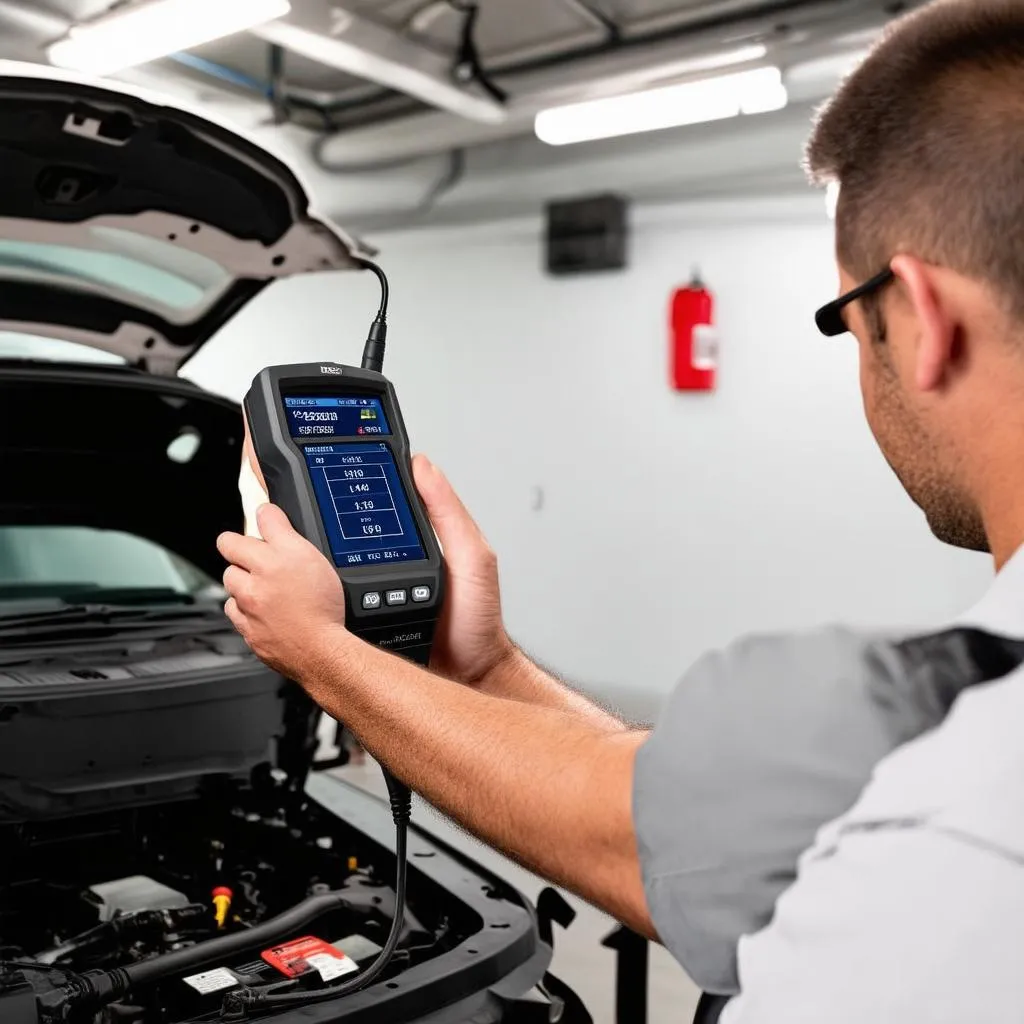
[
  {"x": 759, "y": 746},
  {"x": 892, "y": 926}
]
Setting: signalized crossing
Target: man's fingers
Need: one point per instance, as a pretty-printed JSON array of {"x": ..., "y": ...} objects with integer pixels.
[
  {"x": 459, "y": 535},
  {"x": 235, "y": 616},
  {"x": 274, "y": 525},
  {"x": 238, "y": 583},
  {"x": 248, "y": 552}
]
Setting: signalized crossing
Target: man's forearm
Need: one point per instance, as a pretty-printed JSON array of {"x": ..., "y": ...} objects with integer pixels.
[
  {"x": 549, "y": 787},
  {"x": 516, "y": 677}
]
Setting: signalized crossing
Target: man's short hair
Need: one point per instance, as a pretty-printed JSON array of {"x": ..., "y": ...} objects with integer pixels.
[{"x": 926, "y": 141}]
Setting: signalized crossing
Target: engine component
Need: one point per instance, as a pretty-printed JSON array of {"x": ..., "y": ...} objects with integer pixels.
[
  {"x": 222, "y": 897},
  {"x": 128, "y": 895},
  {"x": 129, "y": 928},
  {"x": 158, "y": 966},
  {"x": 238, "y": 1004},
  {"x": 17, "y": 1000},
  {"x": 101, "y": 988},
  {"x": 358, "y": 947}
]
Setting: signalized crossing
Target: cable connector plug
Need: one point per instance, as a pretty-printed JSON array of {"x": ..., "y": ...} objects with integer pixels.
[
  {"x": 401, "y": 799},
  {"x": 376, "y": 342}
]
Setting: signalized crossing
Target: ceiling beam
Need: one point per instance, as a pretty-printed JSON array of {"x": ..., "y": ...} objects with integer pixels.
[
  {"x": 324, "y": 32},
  {"x": 595, "y": 17}
]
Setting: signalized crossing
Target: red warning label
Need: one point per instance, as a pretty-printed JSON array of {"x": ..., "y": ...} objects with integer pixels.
[{"x": 301, "y": 956}]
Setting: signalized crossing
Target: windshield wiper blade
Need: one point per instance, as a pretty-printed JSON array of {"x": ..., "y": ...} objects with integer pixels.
[
  {"x": 105, "y": 615},
  {"x": 45, "y": 636},
  {"x": 58, "y": 594}
]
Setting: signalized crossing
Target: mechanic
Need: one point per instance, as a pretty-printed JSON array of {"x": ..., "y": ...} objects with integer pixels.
[{"x": 910, "y": 904}]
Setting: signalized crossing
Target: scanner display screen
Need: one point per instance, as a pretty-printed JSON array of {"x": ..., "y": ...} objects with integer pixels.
[
  {"x": 363, "y": 504},
  {"x": 342, "y": 416}
]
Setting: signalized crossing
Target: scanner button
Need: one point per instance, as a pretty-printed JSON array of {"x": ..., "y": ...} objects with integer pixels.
[
  {"x": 420, "y": 595},
  {"x": 371, "y": 602},
  {"x": 396, "y": 597}
]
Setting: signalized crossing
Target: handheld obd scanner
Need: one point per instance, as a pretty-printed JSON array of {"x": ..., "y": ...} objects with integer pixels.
[
  {"x": 332, "y": 445},
  {"x": 334, "y": 451}
]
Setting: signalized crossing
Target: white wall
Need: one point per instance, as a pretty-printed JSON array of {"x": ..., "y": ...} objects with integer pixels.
[{"x": 671, "y": 523}]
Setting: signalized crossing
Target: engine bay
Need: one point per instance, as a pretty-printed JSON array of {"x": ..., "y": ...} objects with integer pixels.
[{"x": 157, "y": 885}]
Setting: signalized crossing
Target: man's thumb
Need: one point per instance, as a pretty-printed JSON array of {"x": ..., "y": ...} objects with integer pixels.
[
  {"x": 458, "y": 533},
  {"x": 273, "y": 523}
]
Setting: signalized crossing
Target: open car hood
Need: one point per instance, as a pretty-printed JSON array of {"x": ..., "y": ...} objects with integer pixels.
[{"x": 137, "y": 227}]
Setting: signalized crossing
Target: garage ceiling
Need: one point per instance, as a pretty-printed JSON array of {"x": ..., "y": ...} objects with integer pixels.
[
  {"x": 509, "y": 32},
  {"x": 295, "y": 77},
  {"x": 512, "y": 38}
]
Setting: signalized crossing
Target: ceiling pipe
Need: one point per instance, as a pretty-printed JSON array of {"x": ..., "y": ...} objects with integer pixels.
[
  {"x": 335, "y": 37},
  {"x": 618, "y": 71}
]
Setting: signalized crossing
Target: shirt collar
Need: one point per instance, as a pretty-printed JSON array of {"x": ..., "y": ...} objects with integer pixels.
[{"x": 1001, "y": 609}]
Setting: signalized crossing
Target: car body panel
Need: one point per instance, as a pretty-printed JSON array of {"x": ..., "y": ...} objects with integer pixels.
[{"x": 137, "y": 226}]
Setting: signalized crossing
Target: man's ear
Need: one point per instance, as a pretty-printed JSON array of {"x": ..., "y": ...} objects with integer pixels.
[{"x": 935, "y": 333}]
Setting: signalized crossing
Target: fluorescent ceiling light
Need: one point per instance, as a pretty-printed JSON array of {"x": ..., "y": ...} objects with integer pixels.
[
  {"x": 137, "y": 33},
  {"x": 708, "y": 99}
]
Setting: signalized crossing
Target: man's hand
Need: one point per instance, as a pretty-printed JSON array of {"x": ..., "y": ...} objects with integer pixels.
[
  {"x": 471, "y": 645},
  {"x": 471, "y": 638},
  {"x": 285, "y": 598},
  {"x": 486, "y": 761}
]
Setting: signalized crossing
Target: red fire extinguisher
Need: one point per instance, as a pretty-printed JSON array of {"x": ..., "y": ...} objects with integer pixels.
[{"x": 694, "y": 343}]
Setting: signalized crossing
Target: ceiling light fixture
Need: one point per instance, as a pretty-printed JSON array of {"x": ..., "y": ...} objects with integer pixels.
[
  {"x": 138, "y": 33},
  {"x": 708, "y": 99}
]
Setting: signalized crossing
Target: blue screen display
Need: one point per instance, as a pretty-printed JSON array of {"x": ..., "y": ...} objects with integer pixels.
[
  {"x": 344, "y": 416},
  {"x": 363, "y": 504}
]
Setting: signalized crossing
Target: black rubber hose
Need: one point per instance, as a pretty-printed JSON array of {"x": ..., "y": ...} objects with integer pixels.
[{"x": 215, "y": 950}]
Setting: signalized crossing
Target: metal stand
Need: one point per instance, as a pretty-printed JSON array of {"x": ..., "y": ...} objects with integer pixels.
[
  {"x": 631, "y": 977},
  {"x": 631, "y": 982},
  {"x": 709, "y": 1009}
]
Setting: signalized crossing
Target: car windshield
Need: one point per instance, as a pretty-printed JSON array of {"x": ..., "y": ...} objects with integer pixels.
[{"x": 81, "y": 564}]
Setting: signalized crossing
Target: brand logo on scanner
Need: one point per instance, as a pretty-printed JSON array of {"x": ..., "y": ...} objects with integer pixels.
[
  {"x": 337, "y": 370},
  {"x": 404, "y": 639}
]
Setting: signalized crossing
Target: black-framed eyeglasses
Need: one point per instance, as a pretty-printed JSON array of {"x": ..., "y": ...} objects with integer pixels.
[{"x": 830, "y": 317}]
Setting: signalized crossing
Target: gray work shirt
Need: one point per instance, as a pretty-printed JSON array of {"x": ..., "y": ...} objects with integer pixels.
[{"x": 763, "y": 744}]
